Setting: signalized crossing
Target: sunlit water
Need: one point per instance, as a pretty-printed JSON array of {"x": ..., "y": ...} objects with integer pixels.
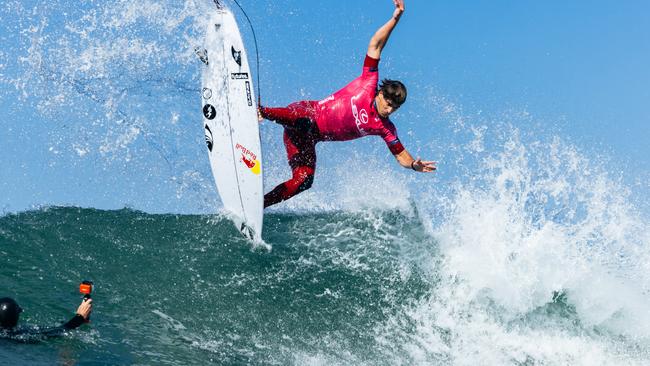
[{"x": 532, "y": 255}]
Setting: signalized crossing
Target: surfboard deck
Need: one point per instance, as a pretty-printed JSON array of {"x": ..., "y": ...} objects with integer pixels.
[{"x": 230, "y": 123}]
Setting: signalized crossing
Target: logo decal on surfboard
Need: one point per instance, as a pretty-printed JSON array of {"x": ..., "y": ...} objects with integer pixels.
[
  {"x": 207, "y": 93},
  {"x": 203, "y": 55},
  {"x": 249, "y": 159},
  {"x": 248, "y": 94},
  {"x": 209, "y": 112},
  {"x": 236, "y": 55},
  {"x": 253, "y": 165},
  {"x": 208, "y": 138},
  {"x": 239, "y": 76}
]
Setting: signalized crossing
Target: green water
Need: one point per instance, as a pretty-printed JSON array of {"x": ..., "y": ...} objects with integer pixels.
[{"x": 180, "y": 289}]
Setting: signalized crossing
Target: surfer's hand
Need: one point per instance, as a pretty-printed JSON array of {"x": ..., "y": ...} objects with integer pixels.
[
  {"x": 399, "y": 8},
  {"x": 424, "y": 166},
  {"x": 259, "y": 114},
  {"x": 85, "y": 308}
]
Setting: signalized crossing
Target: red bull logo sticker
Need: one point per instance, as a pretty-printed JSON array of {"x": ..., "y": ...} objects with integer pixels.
[{"x": 249, "y": 159}]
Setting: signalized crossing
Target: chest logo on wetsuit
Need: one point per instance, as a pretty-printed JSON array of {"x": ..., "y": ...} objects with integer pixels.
[{"x": 360, "y": 116}]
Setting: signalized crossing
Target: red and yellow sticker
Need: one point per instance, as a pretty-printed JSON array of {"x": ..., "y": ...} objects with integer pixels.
[{"x": 249, "y": 159}]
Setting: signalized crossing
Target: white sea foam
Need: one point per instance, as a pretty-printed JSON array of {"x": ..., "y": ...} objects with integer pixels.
[{"x": 537, "y": 221}]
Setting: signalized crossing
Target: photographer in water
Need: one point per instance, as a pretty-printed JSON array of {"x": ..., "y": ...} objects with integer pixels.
[{"x": 10, "y": 313}]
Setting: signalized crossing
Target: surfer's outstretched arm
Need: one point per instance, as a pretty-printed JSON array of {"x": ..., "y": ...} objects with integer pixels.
[
  {"x": 406, "y": 160},
  {"x": 379, "y": 40}
]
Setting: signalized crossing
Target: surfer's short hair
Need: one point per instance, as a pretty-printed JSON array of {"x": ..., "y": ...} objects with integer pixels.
[{"x": 394, "y": 91}]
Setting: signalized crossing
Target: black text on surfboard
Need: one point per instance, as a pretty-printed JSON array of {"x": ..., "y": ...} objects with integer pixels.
[
  {"x": 248, "y": 93},
  {"x": 239, "y": 76}
]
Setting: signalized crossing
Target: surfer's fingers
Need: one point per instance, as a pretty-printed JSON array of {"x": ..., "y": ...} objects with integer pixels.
[
  {"x": 420, "y": 161},
  {"x": 429, "y": 166}
]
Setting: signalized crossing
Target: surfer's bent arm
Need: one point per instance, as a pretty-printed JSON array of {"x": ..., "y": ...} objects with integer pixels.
[
  {"x": 406, "y": 160},
  {"x": 379, "y": 40}
]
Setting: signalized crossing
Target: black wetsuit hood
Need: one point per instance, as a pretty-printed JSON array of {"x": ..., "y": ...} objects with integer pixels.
[{"x": 9, "y": 312}]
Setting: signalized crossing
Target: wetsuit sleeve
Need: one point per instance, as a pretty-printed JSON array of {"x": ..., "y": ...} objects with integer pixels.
[
  {"x": 75, "y": 322},
  {"x": 29, "y": 335},
  {"x": 389, "y": 134},
  {"x": 371, "y": 70},
  {"x": 370, "y": 76},
  {"x": 34, "y": 335},
  {"x": 370, "y": 64}
]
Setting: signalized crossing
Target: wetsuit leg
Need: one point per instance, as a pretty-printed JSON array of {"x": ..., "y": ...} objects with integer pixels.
[
  {"x": 294, "y": 115},
  {"x": 301, "y": 152}
]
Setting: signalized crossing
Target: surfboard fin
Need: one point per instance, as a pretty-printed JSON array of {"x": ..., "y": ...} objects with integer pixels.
[{"x": 247, "y": 231}]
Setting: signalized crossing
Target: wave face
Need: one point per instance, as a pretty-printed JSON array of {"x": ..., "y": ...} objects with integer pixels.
[
  {"x": 186, "y": 289},
  {"x": 369, "y": 287},
  {"x": 522, "y": 250}
]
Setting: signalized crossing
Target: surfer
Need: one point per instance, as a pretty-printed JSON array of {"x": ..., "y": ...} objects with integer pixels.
[
  {"x": 10, "y": 313},
  {"x": 359, "y": 109}
]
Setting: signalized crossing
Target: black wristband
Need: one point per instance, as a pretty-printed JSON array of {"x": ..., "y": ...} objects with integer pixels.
[{"x": 412, "y": 166}]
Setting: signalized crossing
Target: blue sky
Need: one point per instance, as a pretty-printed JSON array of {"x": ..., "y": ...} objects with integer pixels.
[{"x": 577, "y": 70}]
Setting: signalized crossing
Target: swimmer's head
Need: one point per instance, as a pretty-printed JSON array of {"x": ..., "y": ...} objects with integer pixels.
[{"x": 9, "y": 312}]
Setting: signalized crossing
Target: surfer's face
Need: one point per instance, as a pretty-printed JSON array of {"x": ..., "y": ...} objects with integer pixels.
[{"x": 385, "y": 107}]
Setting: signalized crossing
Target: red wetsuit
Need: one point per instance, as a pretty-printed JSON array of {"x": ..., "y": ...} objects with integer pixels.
[{"x": 348, "y": 114}]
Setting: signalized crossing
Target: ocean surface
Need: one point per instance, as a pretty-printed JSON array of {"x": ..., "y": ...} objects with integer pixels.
[
  {"x": 526, "y": 248},
  {"x": 358, "y": 288},
  {"x": 188, "y": 289}
]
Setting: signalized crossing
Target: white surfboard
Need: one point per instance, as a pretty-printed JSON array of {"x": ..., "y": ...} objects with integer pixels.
[{"x": 230, "y": 123}]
